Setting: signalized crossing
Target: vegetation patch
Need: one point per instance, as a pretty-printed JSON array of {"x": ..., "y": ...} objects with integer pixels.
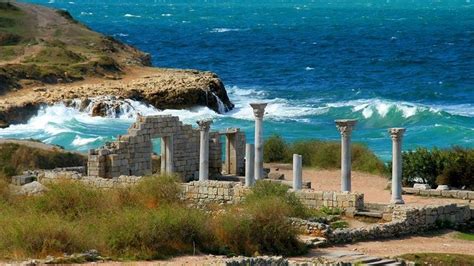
[
  {"x": 465, "y": 236},
  {"x": 453, "y": 167},
  {"x": 15, "y": 158},
  {"x": 322, "y": 154},
  {"x": 439, "y": 259},
  {"x": 146, "y": 221}
]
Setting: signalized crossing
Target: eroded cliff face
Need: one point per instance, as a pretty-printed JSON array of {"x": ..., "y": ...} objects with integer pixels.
[
  {"x": 162, "y": 88},
  {"x": 43, "y": 68}
]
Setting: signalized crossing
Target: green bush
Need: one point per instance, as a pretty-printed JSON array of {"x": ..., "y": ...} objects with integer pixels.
[
  {"x": 70, "y": 200},
  {"x": 274, "y": 149},
  {"x": 258, "y": 228},
  {"x": 321, "y": 154},
  {"x": 454, "y": 167},
  {"x": 266, "y": 189},
  {"x": 157, "y": 233}
]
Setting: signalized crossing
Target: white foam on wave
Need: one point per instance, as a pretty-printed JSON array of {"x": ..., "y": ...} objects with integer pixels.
[
  {"x": 80, "y": 141},
  {"x": 132, "y": 16},
  {"x": 166, "y": 15},
  {"x": 277, "y": 108},
  {"x": 87, "y": 13},
  {"x": 381, "y": 107},
  {"x": 221, "y": 30}
]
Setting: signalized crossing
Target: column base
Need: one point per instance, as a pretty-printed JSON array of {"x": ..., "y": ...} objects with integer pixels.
[{"x": 397, "y": 201}]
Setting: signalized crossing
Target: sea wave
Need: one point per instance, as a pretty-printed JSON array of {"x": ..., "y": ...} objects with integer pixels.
[
  {"x": 132, "y": 16},
  {"x": 221, "y": 30}
]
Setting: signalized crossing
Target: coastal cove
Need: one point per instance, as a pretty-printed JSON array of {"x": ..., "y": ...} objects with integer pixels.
[{"x": 312, "y": 62}]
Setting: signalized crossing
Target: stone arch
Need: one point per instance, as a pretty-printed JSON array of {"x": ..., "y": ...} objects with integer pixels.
[{"x": 131, "y": 153}]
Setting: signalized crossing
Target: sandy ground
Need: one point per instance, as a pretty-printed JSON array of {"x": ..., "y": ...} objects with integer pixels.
[
  {"x": 373, "y": 186},
  {"x": 445, "y": 242}
]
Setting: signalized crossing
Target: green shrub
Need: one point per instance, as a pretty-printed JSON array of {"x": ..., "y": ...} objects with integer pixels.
[
  {"x": 157, "y": 233},
  {"x": 258, "y": 228},
  {"x": 274, "y": 149},
  {"x": 24, "y": 235},
  {"x": 322, "y": 154},
  {"x": 265, "y": 189},
  {"x": 71, "y": 200},
  {"x": 454, "y": 167}
]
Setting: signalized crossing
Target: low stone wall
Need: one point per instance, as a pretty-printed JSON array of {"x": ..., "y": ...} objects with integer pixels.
[
  {"x": 406, "y": 220},
  {"x": 50, "y": 176},
  {"x": 457, "y": 194},
  {"x": 220, "y": 192},
  {"x": 317, "y": 199},
  {"x": 227, "y": 192}
]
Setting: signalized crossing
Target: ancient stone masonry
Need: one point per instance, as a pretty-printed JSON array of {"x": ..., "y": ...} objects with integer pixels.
[
  {"x": 131, "y": 153},
  {"x": 406, "y": 220},
  {"x": 235, "y": 151},
  {"x": 226, "y": 192},
  {"x": 457, "y": 194}
]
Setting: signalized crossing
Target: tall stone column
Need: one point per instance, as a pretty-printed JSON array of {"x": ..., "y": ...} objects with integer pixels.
[
  {"x": 204, "y": 126},
  {"x": 345, "y": 127},
  {"x": 258, "y": 111},
  {"x": 297, "y": 171},
  {"x": 397, "y": 136},
  {"x": 249, "y": 165}
]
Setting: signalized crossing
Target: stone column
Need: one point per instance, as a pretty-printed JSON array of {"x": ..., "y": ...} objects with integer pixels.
[
  {"x": 345, "y": 127},
  {"x": 249, "y": 165},
  {"x": 397, "y": 136},
  {"x": 297, "y": 171},
  {"x": 258, "y": 111},
  {"x": 204, "y": 126}
]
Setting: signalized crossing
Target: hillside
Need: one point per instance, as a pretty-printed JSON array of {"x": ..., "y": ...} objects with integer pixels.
[
  {"x": 49, "y": 46},
  {"x": 42, "y": 50}
]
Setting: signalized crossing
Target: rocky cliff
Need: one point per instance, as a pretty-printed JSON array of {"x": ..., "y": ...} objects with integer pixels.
[{"x": 46, "y": 57}]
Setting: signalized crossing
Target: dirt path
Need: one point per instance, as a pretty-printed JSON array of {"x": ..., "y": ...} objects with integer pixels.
[
  {"x": 439, "y": 243},
  {"x": 373, "y": 186}
]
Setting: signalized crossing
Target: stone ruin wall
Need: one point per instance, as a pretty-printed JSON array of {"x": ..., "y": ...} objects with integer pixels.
[
  {"x": 131, "y": 153},
  {"x": 226, "y": 192}
]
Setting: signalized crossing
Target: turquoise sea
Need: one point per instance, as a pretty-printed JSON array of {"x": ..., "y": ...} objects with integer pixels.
[{"x": 406, "y": 63}]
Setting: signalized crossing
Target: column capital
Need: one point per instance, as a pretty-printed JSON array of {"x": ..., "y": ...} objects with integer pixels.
[
  {"x": 396, "y": 133},
  {"x": 204, "y": 125},
  {"x": 258, "y": 109},
  {"x": 345, "y": 126}
]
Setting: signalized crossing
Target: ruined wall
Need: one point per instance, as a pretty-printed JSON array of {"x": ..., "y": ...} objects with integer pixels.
[
  {"x": 406, "y": 220},
  {"x": 215, "y": 155},
  {"x": 317, "y": 199},
  {"x": 457, "y": 194},
  {"x": 131, "y": 153},
  {"x": 227, "y": 192}
]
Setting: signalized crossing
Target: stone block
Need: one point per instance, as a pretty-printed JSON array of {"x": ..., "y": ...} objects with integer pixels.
[
  {"x": 21, "y": 180},
  {"x": 421, "y": 186},
  {"x": 462, "y": 194}
]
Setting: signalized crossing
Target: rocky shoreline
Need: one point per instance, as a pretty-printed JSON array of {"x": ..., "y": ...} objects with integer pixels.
[
  {"x": 161, "y": 88},
  {"x": 56, "y": 59}
]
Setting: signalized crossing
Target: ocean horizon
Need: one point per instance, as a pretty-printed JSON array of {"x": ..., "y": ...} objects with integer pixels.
[{"x": 387, "y": 64}]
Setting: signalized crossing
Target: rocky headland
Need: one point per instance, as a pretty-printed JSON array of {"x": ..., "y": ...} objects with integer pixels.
[{"x": 47, "y": 57}]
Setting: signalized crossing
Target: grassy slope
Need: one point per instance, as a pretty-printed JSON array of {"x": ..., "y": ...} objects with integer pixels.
[
  {"x": 15, "y": 158},
  {"x": 41, "y": 44}
]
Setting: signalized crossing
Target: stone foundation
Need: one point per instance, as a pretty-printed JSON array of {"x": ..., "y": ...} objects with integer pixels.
[
  {"x": 50, "y": 176},
  {"x": 227, "y": 192},
  {"x": 344, "y": 200},
  {"x": 406, "y": 220},
  {"x": 457, "y": 194}
]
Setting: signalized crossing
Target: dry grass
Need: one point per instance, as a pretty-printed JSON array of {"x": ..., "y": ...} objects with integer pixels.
[{"x": 147, "y": 221}]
